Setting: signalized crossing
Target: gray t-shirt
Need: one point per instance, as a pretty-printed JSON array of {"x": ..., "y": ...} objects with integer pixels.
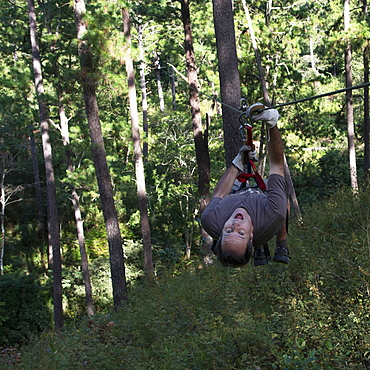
[{"x": 267, "y": 210}]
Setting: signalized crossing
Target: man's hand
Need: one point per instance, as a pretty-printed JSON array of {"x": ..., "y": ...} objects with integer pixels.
[
  {"x": 241, "y": 159},
  {"x": 269, "y": 116}
]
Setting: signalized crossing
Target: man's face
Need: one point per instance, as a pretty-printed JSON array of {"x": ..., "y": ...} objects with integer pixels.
[{"x": 237, "y": 232}]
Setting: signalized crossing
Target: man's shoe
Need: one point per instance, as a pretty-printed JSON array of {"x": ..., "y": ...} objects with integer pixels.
[
  {"x": 261, "y": 255},
  {"x": 281, "y": 255}
]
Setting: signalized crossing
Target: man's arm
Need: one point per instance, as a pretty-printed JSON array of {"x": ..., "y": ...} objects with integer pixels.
[
  {"x": 275, "y": 151},
  {"x": 226, "y": 182}
]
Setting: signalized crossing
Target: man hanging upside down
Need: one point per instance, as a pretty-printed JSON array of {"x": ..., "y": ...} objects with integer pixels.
[{"x": 243, "y": 222}]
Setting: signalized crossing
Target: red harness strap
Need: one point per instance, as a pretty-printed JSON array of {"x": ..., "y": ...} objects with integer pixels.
[
  {"x": 249, "y": 140},
  {"x": 244, "y": 177}
]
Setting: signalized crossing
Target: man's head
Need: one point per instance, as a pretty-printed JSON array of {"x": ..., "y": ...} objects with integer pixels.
[{"x": 234, "y": 247}]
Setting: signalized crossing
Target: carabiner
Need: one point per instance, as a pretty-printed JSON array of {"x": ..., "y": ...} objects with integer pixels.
[{"x": 244, "y": 118}]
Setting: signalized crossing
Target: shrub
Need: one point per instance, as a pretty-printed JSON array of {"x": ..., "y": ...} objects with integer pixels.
[{"x": 23, "y": 309}]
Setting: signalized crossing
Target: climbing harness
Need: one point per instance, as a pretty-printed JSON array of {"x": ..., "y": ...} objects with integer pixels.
[{"x": 246, "y": 124}]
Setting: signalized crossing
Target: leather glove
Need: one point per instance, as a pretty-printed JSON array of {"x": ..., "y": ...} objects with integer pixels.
[
  {"x": 269, "y": 116},
  {"x": 241, "y": 159}
]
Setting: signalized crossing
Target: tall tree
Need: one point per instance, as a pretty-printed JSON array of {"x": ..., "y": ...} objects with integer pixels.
[
  {"x": 349, "y": 100},
  {"x": 64, "y": 130},
  {"x": 88, "y": 82},
  {"x": 6, "y": 194},
  {"x": 139, "y": 167},
  {"x": 144, "y": 98},
  {"x": 366, "y": 56},
  {"x": 200, "y": 139},
  {"x": 2, "y": 217},
  {"x": 157, "y": 66},
  {"x": 53, "y": 223},
  {"x": 41, "y": 227},
  {"x": 173, "y": 88},
  {"x": 261, "y": 73},
  {"x": 229, "y": 75}
]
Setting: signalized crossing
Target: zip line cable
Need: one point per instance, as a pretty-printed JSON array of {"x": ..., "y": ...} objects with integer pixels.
[
  {"x": 277, "y": 105},
  {"x": 319, "y": 96},
  {"x": 295, "y": 101}
]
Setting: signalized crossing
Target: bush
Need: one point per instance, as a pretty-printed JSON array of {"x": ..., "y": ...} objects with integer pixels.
[{"x": 23, "y": 309}]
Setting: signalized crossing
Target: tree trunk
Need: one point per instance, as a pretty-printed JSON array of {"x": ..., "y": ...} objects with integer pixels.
[
  {"x": 266, "y": 98},
  {"x": 349, "y": 102},
  {"x": 200, "y": 140},
  {"x": 77, "y": 212},
  {"x": 312, "y": 58},
  {"x": 173, "y": 88},
  {"x": 41, "y": 227},
  {"x": 229, "y": 76},
  {"x": 2, "y": 220},
  {"x": 261, "y": 72},
  {"x": 366, "y": 113},
  {"x": 53, "y": 223},
  {"x": 139, "y": 167},
  {"x": 84, "y": 259},
  {"x": 157, "y": 67},
  {"x": 366, "y": 102},
  {"x": 88, "y": 82},
  {"x": 144, "y": 101}
]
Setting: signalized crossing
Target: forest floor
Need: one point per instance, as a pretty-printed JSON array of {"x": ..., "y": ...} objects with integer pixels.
[{"x": 311, "y": 314}]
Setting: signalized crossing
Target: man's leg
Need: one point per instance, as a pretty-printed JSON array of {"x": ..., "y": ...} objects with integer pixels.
[
  {"x": 282, "y": 251},
  {"x": 261, "y": 255},
  {"x": 275, "y": 151}
]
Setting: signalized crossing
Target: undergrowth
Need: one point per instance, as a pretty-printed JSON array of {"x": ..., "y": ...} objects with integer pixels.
[{"x": 312, "y": 314}]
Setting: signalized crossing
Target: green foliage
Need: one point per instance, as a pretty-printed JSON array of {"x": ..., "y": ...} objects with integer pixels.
[
  {"x": 320, "y": 174},
  {"x": 23, "y": 309},
  {"x": 171, "y": 174},
  {"x": 100, "y": 276},
  {"x": 74, "y": 290}
]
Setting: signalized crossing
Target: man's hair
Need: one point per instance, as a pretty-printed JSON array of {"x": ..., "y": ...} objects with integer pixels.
[{"x": 230, "y": 259}]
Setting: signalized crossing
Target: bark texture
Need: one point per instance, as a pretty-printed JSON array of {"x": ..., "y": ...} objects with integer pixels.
[
  {"x": 77, "y": 212},
  {"x": 139, "y": 166},
  {"x": 52, "y": 206},
  {"x": 229, "y": 76},
  {"x": 349, "y": 102},
  {"x": 200, "y": 139}
]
